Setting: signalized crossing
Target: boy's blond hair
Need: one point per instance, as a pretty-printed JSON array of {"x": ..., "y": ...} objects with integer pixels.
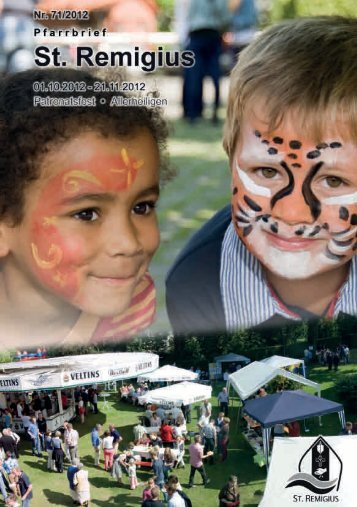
[{"x": 307, "y": 66}]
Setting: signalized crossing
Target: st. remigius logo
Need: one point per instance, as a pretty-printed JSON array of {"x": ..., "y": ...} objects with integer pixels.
[{"x": 320, "y": 469}]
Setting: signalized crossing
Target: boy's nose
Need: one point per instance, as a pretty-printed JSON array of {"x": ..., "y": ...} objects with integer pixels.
[
  {"x": 121, "y": 238},
  {"x": 293, "y": 209}
]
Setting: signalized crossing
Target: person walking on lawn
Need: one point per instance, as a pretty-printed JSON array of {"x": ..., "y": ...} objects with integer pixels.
[{"x": 196, "y": 460}]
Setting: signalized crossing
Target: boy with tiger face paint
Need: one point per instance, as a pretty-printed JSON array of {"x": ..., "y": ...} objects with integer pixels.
[
  {"x": 287, "y": 246},
  {"x": 294, "y": 200}
]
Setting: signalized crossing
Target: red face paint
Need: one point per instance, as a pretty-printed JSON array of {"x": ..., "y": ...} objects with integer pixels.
[
  {"x": 57, "y": 254},
  {"x": 90, "y": 229}
]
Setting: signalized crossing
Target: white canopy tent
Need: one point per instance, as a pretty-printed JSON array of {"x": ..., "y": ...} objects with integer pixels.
[
  {"x": 183, "y": 393},
  {"x": 249, "y": 379},
  {"x": 283, "y": 362},
  {"x": 69, "y": 371},
  {"x": 168, "y": 373}
]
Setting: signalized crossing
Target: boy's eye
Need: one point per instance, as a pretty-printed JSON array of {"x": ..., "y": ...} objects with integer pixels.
[
  {"x": 334, "y": 181},
  {"x": 267, "y": 172},
  {"x": 144, "y": 208},
  {"x": 87, "y": 215}
]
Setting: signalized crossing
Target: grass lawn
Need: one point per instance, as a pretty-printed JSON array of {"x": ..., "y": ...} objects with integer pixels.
[
  {"x": 52, "y": 488},
  {"x": 201, "y": 188}
]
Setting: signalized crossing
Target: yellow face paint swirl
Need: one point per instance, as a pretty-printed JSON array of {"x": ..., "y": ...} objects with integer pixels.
[
  {"x": 47, "y": 221},
  {"x": 71, "y": 183},
  {"x": 55, "y": 255},
  {"x": 125, "y": 156}
]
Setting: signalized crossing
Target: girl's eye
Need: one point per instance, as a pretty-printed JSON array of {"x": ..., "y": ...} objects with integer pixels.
[
  {"x": 333, "y": 181},
  {"x": 87, "y": 215},
  {"x": 144, "y": 208}
]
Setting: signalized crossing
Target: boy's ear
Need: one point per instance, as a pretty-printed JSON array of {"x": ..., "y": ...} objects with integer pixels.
[{"x": 4, "y": 243}]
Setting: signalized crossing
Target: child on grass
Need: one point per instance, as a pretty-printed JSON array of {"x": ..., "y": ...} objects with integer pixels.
[
  {"x": 133, "y": 480},
  {"x": 147, "y": 492},
  {"x": 117, "y": 471},
  {"x": 285, "y": 248},
  {"x": 78, "y": 190}
]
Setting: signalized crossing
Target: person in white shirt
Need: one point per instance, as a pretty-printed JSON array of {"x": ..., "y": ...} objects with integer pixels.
[
  {"x": 19, "y": 408},
  {"x": 223, "y": 400},
  {"x": 65, "y": 439},
  {"x": 206, "y": 409},
  {"x": 108, "y": 449},
  {"x": 139, "y": 430},
  {"x": 25, "y": 422},
  {"x": 175, "y": 499},
  {"x": 72, "y": 442},
  {"x": 155, "y": 420}
]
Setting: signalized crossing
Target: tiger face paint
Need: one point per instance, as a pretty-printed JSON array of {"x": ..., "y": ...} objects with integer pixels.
[
  {"x": 90, "y": 226},
  {"x": 294, "y": 202}
]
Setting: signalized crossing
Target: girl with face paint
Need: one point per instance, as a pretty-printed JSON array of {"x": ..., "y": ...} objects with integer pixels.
[
  {"x": 285, "y": 249},
  {"x": 78, "y": 234}
]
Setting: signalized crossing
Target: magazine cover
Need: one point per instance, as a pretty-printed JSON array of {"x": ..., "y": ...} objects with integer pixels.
[{"x": 178, "y": 252}]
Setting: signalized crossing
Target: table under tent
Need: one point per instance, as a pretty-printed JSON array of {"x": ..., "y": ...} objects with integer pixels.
[
  {"x": 287, "y": 406},
  {"x": 252, "y": 377},
  {"x": 248, "y": 380}
]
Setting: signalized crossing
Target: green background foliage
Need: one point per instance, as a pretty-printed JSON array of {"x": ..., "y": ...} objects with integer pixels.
[
  {"x": 285, "y": 9},
  {"x": 346, "y": 388}
]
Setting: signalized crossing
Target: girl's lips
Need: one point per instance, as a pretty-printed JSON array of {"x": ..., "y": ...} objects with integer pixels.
[
  {"x": 290, "y": 244},
  {"x": 108, "y": 280}
]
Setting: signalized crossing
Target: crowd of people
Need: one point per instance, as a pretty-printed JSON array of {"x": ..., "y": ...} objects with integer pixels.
[
  {"x": 15, "y": 485},
  {"x": 29, "y": 413},
  {"x": 333, "y": 358},
  {"x": 158, "y": 444},
  {"x": 160, "y": 440}
]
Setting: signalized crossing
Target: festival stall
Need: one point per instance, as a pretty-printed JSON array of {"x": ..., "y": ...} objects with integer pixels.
[
  {"x": 246, "y": 383},
  {"x": 287, "y": 406},
  {"x": 55, "y": 374},
  {"x": 225, "y": 362},
  {"x": 176, "y": 395},
  {"x": 168, "y": 373},
  {"x": 252, "y": 377}
]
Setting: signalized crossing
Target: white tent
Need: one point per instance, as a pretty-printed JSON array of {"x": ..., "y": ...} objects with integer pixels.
[
  {"x": 283, "y": 362},
  {"x": 249, "y": 379},
  {"x": 70, "y": 371},
  {"x": 183, "y": 393},
  {"x": 168, "y": 373}
]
